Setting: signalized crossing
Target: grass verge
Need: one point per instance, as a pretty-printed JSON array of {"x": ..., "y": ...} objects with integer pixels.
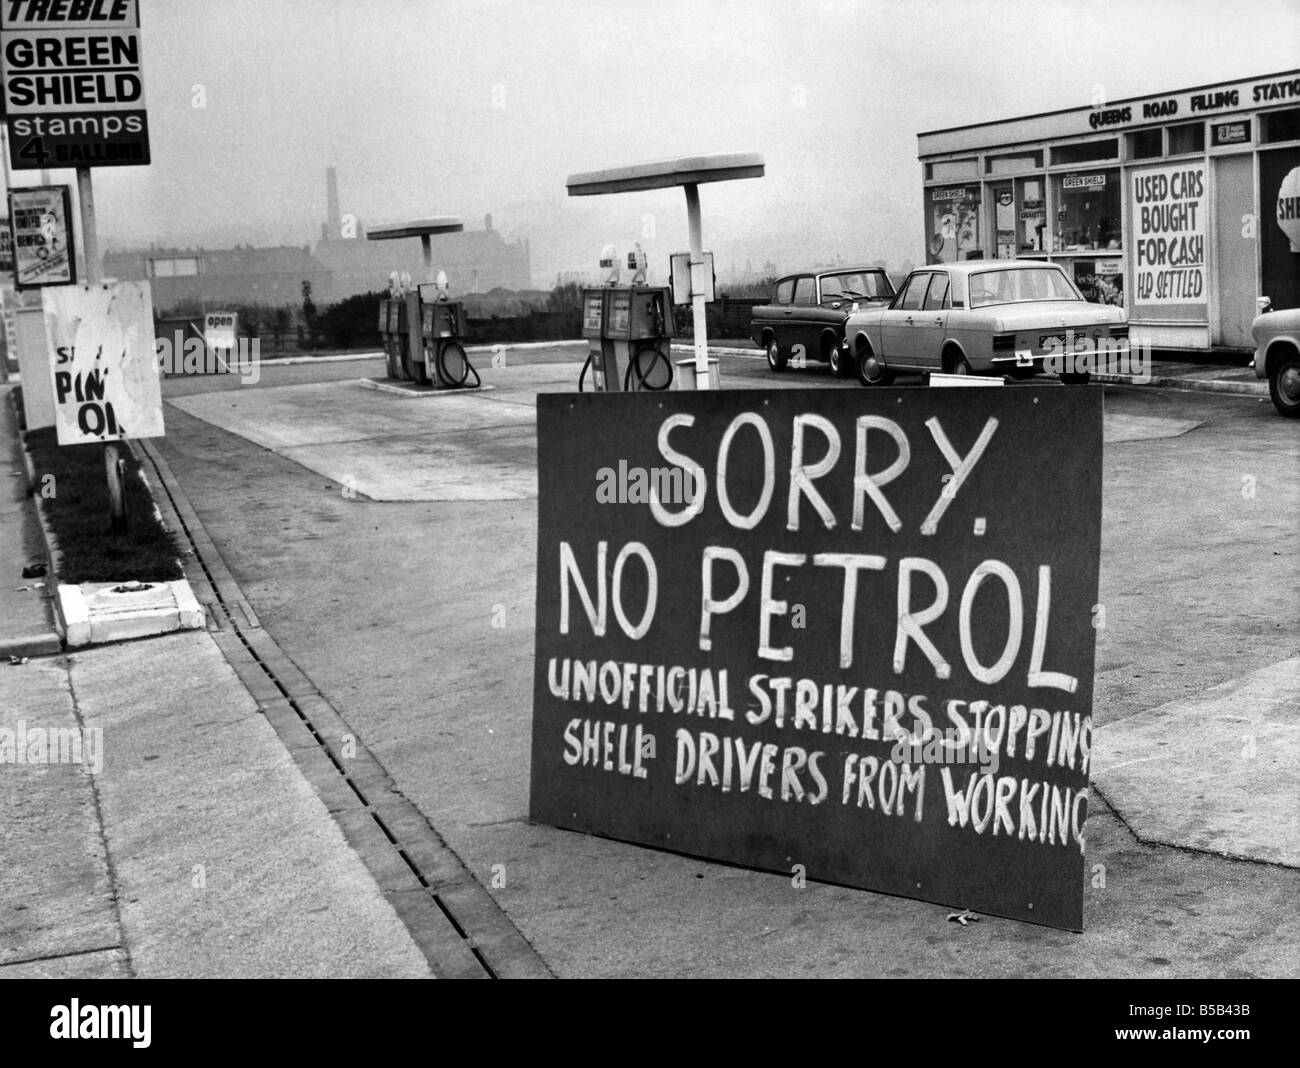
[{"x": 73, "y": 485}]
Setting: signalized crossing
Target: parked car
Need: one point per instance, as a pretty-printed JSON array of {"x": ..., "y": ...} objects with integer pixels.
[
  {"x": 1003, "y": 316},
  {"x": 806, "y": 317},
  {"x": 1277, "y": 355}
]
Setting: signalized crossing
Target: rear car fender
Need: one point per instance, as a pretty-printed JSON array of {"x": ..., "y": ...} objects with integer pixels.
[{"x": 952, "y": 345}]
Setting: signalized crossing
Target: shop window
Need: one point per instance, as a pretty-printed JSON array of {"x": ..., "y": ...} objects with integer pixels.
[
  {"x": 1280, "y": 126},
  {"x": 953, "y": 219},
  {"x": 952, "y": 170},
  {"x": 1029, "y": 161},
  {"x": 1146, "y": 144},
  {"x": 1031, "y": 215},
  {"x": 1189, "y": 137},
  {"x": 1087, "y": 211},
  {"x": 1086, "y": 152},
  {"x": 1100, "y": 281}
]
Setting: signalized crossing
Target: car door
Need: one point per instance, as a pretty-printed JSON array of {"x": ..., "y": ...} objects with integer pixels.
[
  {"x": 803, "y": 318},
  {"x": 830, "y": 313},
  {"x": 898, "y": 320},
  {"x": 930, "y": 327},
  {"x": 778, "y": 314}
]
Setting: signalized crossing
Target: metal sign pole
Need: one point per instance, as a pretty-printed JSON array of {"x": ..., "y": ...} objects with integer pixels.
[
  {"x": 89, "y": 238},
  {"x": 9, "y": 184},
  {"x": 114, "y": 465}
]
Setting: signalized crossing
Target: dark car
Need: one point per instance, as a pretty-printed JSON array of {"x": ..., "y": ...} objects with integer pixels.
[{"x": 805, "y": 320}]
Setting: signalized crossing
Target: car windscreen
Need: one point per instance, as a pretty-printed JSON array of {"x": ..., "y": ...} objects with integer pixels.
[
  {"x": 856, "y": 285},
  {"x": 1020, "y": 284}
]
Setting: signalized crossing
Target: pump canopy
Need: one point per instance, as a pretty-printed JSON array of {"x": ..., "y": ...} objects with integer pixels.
[
  {"x": 434, "y": 224},
  {"x": 659, "y": 174}
]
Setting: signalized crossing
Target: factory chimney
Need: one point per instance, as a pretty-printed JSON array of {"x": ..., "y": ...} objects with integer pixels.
[{"x": 334, "y": 221}]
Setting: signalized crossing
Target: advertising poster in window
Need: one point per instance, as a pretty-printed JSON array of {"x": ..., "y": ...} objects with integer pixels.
[
  {"x": 1168, "y": 208},
  {"x": 1100, "y": 281},
  {"x": 953, "y": 221},
  {"x": 1004, "y": 214}
]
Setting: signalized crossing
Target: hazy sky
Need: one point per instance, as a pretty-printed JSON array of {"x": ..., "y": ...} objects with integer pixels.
[{"x": 473, "y": 106}]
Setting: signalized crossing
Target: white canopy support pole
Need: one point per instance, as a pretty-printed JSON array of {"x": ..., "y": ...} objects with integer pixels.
[{"x": 698, "y": 287}]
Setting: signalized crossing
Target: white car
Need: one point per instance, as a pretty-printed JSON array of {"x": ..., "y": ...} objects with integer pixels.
[
  {"x": 1017, "y": 317},
  {"x": 1277, "y": 355}
]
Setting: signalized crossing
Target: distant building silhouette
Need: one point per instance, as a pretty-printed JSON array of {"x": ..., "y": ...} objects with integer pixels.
[
  {"x": 343, "y": 263},
  {"x": 213, "y": 277},
  {"x": 476, "y": 261}
]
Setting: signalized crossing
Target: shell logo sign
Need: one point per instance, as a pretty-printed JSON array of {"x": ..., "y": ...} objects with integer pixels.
[{"x": 1288, "y": 207}]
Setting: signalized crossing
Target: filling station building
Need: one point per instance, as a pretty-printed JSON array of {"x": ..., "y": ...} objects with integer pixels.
[{"x": 1182, "y": 207}]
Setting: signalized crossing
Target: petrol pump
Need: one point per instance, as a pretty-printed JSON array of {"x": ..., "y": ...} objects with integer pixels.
[
  {"x": 394, "y": 327},
  {"x": 629, "y": 330},
  {"x": 420, "y": 326},
  {"x": 688, "y": 172},
  {"x": 442, "y": 324}
]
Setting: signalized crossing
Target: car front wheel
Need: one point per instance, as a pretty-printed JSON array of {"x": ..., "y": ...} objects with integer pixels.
[
  {"x": 776, "y": 359},
  {"x": 1284, "y": 386},
  {"x": 872, "y": 370}
]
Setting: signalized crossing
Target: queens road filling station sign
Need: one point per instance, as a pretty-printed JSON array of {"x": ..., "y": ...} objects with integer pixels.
[
  {"x": 73, "y": 83},
  {"x": 847, "y": 636}
]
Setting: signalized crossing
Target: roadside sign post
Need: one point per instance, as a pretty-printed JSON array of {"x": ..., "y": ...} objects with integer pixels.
[
  {"x": 72, "y": 87},
  {"x": 689, "y": 172},
  {"x": 114, "y": 464}
]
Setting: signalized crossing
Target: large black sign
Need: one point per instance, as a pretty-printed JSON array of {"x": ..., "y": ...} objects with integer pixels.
[{"x": 846, "y": 635}]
